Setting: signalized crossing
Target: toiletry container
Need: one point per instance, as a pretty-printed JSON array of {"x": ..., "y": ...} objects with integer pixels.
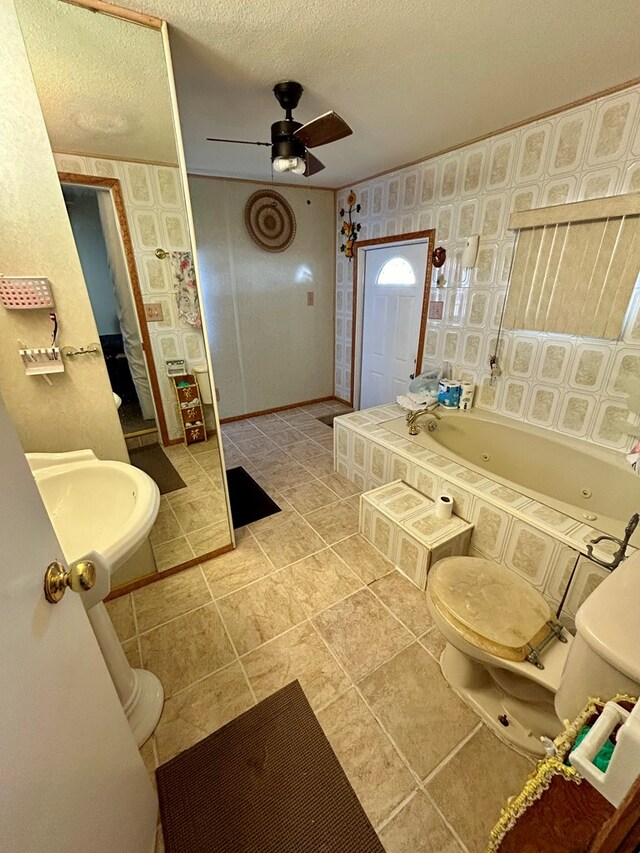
[{"x": 204, "y": 383}]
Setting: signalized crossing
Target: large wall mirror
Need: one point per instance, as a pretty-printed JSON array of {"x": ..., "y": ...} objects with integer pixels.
[{"x": 105, "y": 93}]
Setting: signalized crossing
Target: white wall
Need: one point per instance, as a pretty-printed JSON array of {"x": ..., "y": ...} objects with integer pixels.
[
  {"x": 560, "y": 382},
  {"x": 268, "y": 347},
  {"x": 78, "y": 410}
]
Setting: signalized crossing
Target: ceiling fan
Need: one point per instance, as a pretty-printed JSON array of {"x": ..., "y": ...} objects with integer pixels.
[{"x": 290, "y": 139}]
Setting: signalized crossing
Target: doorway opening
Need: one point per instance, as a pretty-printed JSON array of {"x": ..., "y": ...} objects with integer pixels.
[
  {"x": 391, "y": 283},
  {"x": 101, "y": 234}
]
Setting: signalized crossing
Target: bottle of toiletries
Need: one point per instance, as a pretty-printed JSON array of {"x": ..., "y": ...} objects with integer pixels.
[{"x": 467, "y": 390}]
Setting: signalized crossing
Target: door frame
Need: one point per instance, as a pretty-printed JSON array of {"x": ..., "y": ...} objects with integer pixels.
[
  {"x": 428, "y": 236},
  {"x": 113, "y": 186}
]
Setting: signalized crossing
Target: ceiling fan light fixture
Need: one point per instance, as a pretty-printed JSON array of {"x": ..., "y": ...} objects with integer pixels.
[{"x": 294, "y": 164}]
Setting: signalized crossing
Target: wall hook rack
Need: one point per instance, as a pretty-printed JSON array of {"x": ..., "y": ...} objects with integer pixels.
[{"x": 90, "y": 349}]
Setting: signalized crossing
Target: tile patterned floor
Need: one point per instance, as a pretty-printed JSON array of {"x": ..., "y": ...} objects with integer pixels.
[
  {"x": 192, "y": 521},
  {"x": 304, "y": 596}
]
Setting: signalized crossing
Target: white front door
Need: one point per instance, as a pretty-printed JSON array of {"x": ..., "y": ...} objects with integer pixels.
[
  {"x": 72, "y": 777},
  {"x": 393, "y": 295}
]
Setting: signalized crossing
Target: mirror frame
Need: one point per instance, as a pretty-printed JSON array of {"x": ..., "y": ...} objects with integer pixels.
[{"x": 113, "y": 186}]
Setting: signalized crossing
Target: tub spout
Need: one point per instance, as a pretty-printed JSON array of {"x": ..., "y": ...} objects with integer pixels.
[
  {"x": 412, "y": 418},
  {"x": 621, "y": 553}
]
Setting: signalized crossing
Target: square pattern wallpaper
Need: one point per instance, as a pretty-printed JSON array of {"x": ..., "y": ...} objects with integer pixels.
[
  {"x": 157, "y": 218},
  {"x": 561, "y": 382}
]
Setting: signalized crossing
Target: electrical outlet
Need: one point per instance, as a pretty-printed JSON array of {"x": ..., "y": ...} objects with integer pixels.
[
  {"x": 153, "y": 311},
  {"x": 435, "y": 310},
  {"x": 310, "y": 298}
]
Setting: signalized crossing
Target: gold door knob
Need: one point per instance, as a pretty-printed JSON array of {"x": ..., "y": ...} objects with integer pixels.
[{"x": 80, "y": 577}]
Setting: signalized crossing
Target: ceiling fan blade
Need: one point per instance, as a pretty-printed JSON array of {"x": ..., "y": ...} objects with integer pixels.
[
  {"x": 328, "y": 127},
  {"x": 238, "y": 141},
  {"x": 313, "y": 165}
]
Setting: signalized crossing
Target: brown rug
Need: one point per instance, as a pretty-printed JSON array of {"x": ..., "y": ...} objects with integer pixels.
[
  {"x": 267, "y": 782},
  {"x": 154, "y": 461}
]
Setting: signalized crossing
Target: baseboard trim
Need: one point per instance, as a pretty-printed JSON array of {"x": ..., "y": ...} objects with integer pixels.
[
  {"x": 277, "y": 409},
  {"x": 158, "y": 576}
]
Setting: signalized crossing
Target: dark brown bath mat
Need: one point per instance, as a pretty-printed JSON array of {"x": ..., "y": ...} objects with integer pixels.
[
  {"x": 267, "y": 782},
  {"x": 154, "y": 461},
  {"x": 249, "y": 501}
]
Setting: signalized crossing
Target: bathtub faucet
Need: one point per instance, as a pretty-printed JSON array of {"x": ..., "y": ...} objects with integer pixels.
[
  {"x": 412, "y": 418},
  {"x": 621, "y": 553}
]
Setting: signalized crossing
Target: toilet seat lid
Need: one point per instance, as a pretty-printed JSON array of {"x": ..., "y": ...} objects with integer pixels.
[{"x": 491, "y": 606}]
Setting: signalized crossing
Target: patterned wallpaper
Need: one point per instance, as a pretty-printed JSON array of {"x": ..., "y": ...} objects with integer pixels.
[
  {"x": 156, "y": 214},
  {"x": 561, "y": 382}
]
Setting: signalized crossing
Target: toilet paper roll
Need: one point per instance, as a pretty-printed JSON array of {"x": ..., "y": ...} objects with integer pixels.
[{"x": 444, "y": 506}]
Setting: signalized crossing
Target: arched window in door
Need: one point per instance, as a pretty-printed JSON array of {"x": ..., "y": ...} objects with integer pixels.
[{"x": 396, "y": 272}]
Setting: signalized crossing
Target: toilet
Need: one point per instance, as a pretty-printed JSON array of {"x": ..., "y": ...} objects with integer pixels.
[{"x": 492, "y": 619}]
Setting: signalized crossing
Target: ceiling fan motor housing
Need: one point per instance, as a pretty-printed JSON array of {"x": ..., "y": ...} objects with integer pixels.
[{"x": 283, "y": 143}]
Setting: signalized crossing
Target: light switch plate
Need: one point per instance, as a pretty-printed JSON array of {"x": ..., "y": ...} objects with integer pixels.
[
  {"x": 153, "y": 311},
  {"x": 310, "y": 298}
]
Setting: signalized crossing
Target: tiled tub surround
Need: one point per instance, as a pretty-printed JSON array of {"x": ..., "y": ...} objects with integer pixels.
[
  {"x": 565, "y": 383},
  {"x": 305, "y": 596},
  {"x": 157, "y": 218},
  {"x": 530, "y": 538}
]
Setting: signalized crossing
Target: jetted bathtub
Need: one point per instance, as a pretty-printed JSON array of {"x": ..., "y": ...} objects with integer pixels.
[{"x": 589, "y": 483}]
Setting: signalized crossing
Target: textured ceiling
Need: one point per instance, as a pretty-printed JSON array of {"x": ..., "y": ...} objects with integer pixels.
[
  {"x": 411, "y": 78},
  {"x": 102, "y": 82}
]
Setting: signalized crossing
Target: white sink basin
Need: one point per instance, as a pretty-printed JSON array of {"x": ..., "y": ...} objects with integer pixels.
[
  {"x": 103, "y": 511},
  {"x": 95, "y": 505}
]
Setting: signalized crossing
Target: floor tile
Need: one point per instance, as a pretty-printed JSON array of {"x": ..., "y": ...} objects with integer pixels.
[
  {"x": 171, "y": 554},
  {"x": 287, "y": 512},
  {"x": 320, "y": 466},
  {"x": 361, "y": 633},
  {"x": 417, "y": 707},
  {"x": 490, "y": 770},
  {"x": 165, "y": 528},
  {"x": 418, "y": 828},
  {"x": 310, "y": 496},
  {"x": 259, "y": 612},
  {"x": 322, "y": 579},
  {"x": 120, "y": 612},
  {"x": 405, "y": 600},
  {"x": 286, "y": 474},
  {"x": 434, "y": 642},
  {"x": 334, "y": 522},
  {"x": 376, "y": 772},
  {"x": 254, "y": 445},
  {"x": 210, "y": 538},
  {"x": 201, "y": 512},
  {"x": 306, "y": 449},
  {"x": 288, "y": 542},
  {"x": 201, "y": 709},
  {"x": 365, "y": 560},
  {"x": 285, "y": 435},
  {"x": 186, "y": 649},
  {"x": 230, "y": 571},
  {"x": 162, "y": 601},
  {"x": 132, "y": 652},
  {"x": 342, "y": 486},
  {"x": 298, "y": 654}
]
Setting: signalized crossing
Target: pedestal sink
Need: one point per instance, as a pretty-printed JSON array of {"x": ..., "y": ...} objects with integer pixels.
[{"x": 106, "y": 508}]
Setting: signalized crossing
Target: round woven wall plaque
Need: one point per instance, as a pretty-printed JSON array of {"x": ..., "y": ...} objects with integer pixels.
[{"x": 270, "y": 221}]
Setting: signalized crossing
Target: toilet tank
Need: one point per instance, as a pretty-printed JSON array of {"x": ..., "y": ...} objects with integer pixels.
[{"x": 604, "y": 658}]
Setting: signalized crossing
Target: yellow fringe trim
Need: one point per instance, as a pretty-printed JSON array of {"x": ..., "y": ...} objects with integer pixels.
[{"x": 539, "y": 780}]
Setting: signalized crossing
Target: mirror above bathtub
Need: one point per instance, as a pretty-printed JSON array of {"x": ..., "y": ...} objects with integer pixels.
[{"x": 105, "y": 92}]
